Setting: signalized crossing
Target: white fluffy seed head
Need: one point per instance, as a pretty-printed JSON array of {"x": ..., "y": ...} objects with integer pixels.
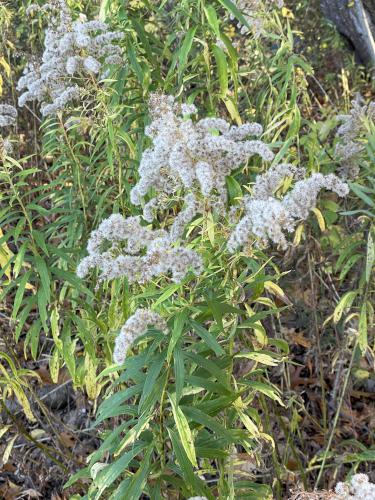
[
  {"x": 92, "y": 65},
  {"x": 134, "y": 327},
  {"x": 352, "y": 130},
  {"x": 71, "y": 49},
  {"x": 254, "y": 13},
  {"x": 123, "y": 247},
  {"x": 268, "y": 218},
  {"x": 8, "y": 115},
  {"x": 193, "y": 155},
  {"x": 358, "y": 488}
]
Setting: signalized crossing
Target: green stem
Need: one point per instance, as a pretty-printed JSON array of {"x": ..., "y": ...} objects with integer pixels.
[{"x": 77, "y": 166}]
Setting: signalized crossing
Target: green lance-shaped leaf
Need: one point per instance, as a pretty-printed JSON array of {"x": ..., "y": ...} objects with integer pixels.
[
  {"x": 222, "y": 69},
  {"x": 184, "y": 50},
  {"x": 212, "y": 19},
  {"x": 183, "y": 430},
  {"x": 345, "y": 303},
  {"x": 110, "y": 473},
  {"x": 362, "y": 329},
  {"x": 234, "y": 10},
  {"x": 360, "y": 192},
  {"x": 178, "y": 327}
]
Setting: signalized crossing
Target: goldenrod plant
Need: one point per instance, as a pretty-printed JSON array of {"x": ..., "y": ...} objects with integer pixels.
[{"x": 186, "y": 251}]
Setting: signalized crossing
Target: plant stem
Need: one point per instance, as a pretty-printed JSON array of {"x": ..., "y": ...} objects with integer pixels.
[{"x": 337, "y": 415}]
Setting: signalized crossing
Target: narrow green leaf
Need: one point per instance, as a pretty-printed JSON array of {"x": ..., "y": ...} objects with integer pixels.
[
  {"x": 19, "y": 294},
  {"x": 345, "y": 252},
  {"x": 345, "y": 303},
  {"x": 222, "y": 69},
  {"x": 210, "y": 366},
  {"x": 362, "y": 329},
  {"x": 42, "y": 269},
  {"x": 207, "y": 384},
  {"x": 169, "y": 290},
  {"x": 179, "y": 372},
  {"x": 203, "y": 419},
  {"x": 359, "y": 191},
  {"x": 178, "y": 326},
  {"x": 134, "y": 490},
  {"x": 260, "y": 315},
  {"x": 107, "y": 476},
  {"x": 42, "y": 307},
  {"x": 208, "y": 338},
  {"x": 353, "y": 259},
  {"x": 235, "y": 12},
  {"x": 283, "y": 151},
  {"x": 197, "y": 486},
  {"x": 212, "y": 19},
  {"x": 268, "y": 390},
  {"x": 234, "y": 188},
  {"x": 19, "y": 260},
  {"x": 152, "y": 375},
  {"x": 183, "y": 430},
  {"x": 184, "y": 50}
]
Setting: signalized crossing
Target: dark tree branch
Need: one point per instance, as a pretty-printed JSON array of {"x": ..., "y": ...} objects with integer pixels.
[{"x": 355, "y": 20}]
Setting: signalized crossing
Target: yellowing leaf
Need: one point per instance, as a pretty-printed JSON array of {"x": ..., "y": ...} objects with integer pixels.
[
  {"x": 183, "y": 430},
  {"x": 276, "y": 290},
  {"x": 4, "y": 430},
  {"x": 248, "y": 423},
  {"x": 38, "y": 433},
  {"x": 5, "y": 65},
  {"x": 54, "y": 366},
  {"x": 345, "y": 302},
  {"x": 24, "y": 402},
  {"x": 287, "y": 13},
  {"x": 350, "y": 317},
  {"x": 259, "y": 357},
  {"x": 257, "y": 327},
  {"x": 361, "y": 374},
  {"x": 5, "y": 255},
  {"x": 320, "y": 219},
  {"x": 90, "y": 378},
  {"x": 54, "y": 321},
  {"x": 370, "y": 257},
  {"x": 232, "y": 111},
  {"x": 132, "y": 435},
  {"x": 211, "y": 228},
  {"x": 8, "y": 449},
  {"x": 298, "y": 235}
]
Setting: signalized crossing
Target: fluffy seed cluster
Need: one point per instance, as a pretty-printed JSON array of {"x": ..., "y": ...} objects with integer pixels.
[
  {"x": 123, "y": 247},
  {"x": 253, "y": 12},
  {"x": 268, "y": 218},
  {"x": 359, "y": 488},
  {"x": 353, "y": 127},
  {"x": 134, "y": 327},
  {"x": 71, "y": 49},
  {"x": 6, "y": 147},
  {"x": 193, "y": 155},
  {"x": 8, "y": 115}
]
